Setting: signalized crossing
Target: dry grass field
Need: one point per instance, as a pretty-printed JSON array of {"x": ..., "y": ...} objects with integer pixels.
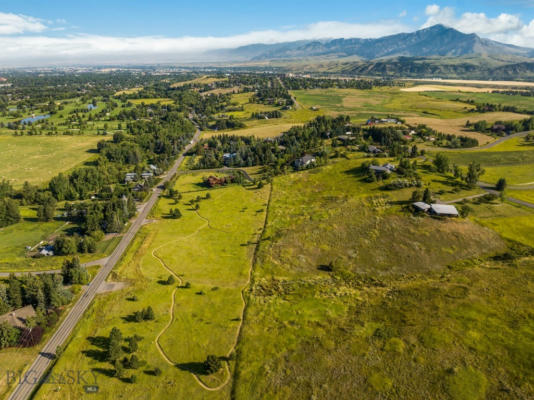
[
  {"x": 456, "y": 126},
  {"x": 443, "y": 88}
]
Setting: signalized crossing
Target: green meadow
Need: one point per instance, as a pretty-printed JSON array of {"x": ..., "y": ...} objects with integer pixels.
[
  {"x": 354, "y": 298},
  {"x": 212, "y": 249},
  {"x": 36, "y": 159}
]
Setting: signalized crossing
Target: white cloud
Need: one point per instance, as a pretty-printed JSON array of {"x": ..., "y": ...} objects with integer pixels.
[
  {"x": 403, "y": 13},
  {"x": 505, "y": 27},
  {"x": 84, "y": 48},
  {"x": 471, "y": 22},
  {"x": 432, "y": 9},
  {"x": 17, "y": 23}
]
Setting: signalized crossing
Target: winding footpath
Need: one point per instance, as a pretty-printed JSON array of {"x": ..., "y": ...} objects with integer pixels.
[
  {"x": 165, "y": 356},
  {"x": 36, "y": 372}
]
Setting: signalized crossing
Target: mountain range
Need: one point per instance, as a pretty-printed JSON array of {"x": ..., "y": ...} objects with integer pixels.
[{"x": 437, "y": 40}]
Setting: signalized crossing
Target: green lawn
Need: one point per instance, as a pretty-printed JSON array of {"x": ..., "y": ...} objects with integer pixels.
[{"x": 211, "y": 249}]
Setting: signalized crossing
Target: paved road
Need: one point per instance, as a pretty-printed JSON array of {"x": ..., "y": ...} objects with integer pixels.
[
  {"x": 36, "y": 371},
  {"x": 491, "y": 189}
]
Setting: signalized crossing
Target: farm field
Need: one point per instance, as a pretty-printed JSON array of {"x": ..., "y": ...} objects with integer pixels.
[
  {"x": 28, "y": 158},
  {"x": 361, "y": 104},
  {"x": 403, "y": 320},
  {"x": 212, "y": 250}
]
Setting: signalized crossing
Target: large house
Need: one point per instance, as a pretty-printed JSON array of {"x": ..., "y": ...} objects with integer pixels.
[
  {"x": 130, "y": 177},
  {"x": 441, "y": 210}
]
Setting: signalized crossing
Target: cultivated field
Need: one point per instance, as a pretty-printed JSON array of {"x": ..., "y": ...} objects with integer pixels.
[{"x": 212, "y": 249}]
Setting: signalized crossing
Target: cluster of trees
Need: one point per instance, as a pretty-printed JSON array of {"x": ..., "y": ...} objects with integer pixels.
[
  {"x": 299, "y": 83},
  {"x": 74, "y": 273},
  {"x": 277, "y": 153},
  {"x": 146, "y": 314},
  {"x": 506, "y": 127},
  {"x": 9, "y": 212},
  {"x": 474, "y": 171},
  {"x": 444, "y": 139},
  {"x": 43, "y": 292},
  {"x": 273, "y": 94},
  {"x": 115, "y": 353},
  {"x": 107, "y": 216},
  {"x": 227, "y": 123}
]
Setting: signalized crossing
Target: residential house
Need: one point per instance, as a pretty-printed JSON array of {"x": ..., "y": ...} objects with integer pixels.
[
  {"x": 380, "y": 171},
  {"x": 130, "y": 177},
  {"x": 373, "y": 149},
  {"x": 305, "y": 161},
  {"x": 146, "y": 175}
]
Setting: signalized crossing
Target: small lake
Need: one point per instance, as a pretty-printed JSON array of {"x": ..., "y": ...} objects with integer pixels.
[
  {"x": 31, "y": 120},
  {"x": 91, "y": 107}
]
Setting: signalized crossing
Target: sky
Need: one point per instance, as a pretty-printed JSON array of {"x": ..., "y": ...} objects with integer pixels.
[{"x": 37, "y": 32}]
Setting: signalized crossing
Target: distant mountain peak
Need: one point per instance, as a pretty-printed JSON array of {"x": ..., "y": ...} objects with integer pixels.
[{"x": 436, "y": 40}]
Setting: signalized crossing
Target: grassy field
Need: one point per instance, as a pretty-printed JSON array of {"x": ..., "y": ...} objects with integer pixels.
[
  {"x": 512, "y": 221},
  {"x": 408, "y": 311},
  {"x": 203, "y": 80},
  {"x": 36, "y": 159},
  {"x": 517, "y": 166},
  {"x": 525, "y": 195},
  {"x": 128, "y": 91},
  {"x": 211, "y": 249},
  {"x": 161, "y": 101}
]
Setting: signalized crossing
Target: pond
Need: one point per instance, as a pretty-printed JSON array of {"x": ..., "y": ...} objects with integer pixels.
[
  {"x": 31, "y": 120},
  {"x": 91, "y": 107}
]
